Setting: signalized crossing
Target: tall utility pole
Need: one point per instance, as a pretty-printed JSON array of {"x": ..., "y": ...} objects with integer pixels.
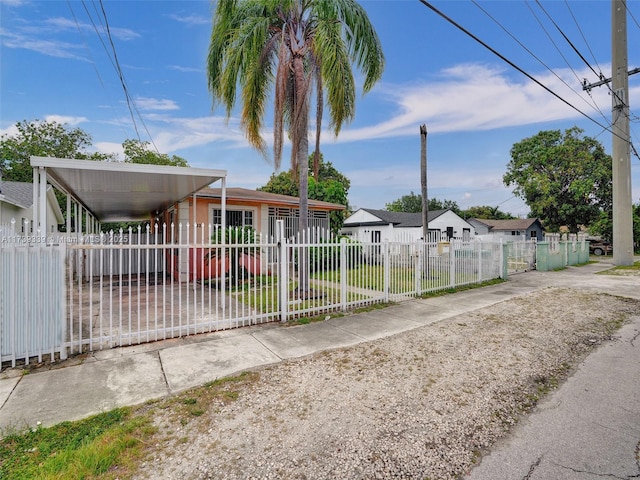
[
  {"x": 423, "y": 182},
  {"x": 622, "y": 213}
]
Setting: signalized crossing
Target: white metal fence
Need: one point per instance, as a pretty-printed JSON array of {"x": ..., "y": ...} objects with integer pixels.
[
  {"x": 134, "y": 287},
  {"x": 32, "y": 301}
]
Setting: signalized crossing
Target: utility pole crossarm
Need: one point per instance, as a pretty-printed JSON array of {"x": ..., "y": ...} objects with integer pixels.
[{"x": 603, "y": 81}]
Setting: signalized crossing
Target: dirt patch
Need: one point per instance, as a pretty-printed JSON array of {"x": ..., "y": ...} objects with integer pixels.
[{"x": 421, "y": 404}]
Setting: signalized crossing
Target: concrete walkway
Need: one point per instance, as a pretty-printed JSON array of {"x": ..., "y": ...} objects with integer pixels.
[{"x": 599, "y": 407}]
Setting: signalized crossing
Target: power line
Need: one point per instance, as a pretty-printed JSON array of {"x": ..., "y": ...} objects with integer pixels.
[
  {"x": 575, "y": 49},
  {"x": 594, "y": 106},
  {"x": 583, "y": 36},
  {"x": 631, "y": 15},
  {"x": 566, "y": 38},
  {"x": 113, "y": 58},
  {"x": 119, "y": 70},
  {"x": 503, "y": 58}
]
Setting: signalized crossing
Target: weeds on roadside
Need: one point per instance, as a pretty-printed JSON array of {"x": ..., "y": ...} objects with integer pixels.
[{"x": 106, "y": 444}]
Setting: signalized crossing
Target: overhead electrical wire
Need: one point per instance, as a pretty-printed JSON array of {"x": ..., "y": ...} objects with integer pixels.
[
  {"x": 113, "y": 58},
  {"x": 594, "y": 105},
  {"x": 130, "y": 101},
  {"x": 631, "y": 15},
  {"x": 584, "y": 38},
  {"x": 512, "y": 64},
  {"x": 598, "y": 74}
]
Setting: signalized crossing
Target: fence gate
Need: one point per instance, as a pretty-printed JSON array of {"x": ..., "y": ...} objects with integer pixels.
[
  {"x": 521, "y": 256},
  {"x": 32, "y": 302}
]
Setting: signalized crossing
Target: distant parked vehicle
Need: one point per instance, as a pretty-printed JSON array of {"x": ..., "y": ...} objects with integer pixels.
[{"x": 600, "y": 248}]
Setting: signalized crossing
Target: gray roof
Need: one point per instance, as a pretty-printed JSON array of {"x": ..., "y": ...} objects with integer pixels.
[
  {"x": 117, "y": 191},
  {"x": 515, "y": 224},
  {"x": 401, "y": 219},
  {"x": 19, "y": 194}
]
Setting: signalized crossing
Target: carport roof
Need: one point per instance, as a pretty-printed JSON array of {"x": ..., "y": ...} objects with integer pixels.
[{"x": 115, "y": 191}]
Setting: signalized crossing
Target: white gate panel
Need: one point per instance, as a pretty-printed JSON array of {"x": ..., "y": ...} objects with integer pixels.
[{"x": 32, "y": 302}]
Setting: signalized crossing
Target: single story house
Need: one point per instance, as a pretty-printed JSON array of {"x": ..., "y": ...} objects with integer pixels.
[
  {"x": 517, "y": 229},
  {"x": 245, "y": 207},
  {"x": 16, "y": 204},
  {"x": 369, "y": 225}
]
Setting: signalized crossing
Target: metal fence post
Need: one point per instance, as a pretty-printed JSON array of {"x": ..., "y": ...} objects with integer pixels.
[
  {"x": 452, "y": 263},
  {"x": 283, "y": 271},
  {"x": 344, "y": 266},
  {"x": 386, "y": 273}
]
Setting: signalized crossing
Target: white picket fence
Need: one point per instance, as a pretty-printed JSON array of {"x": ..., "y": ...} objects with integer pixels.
[{"x": 110, "y": 290}]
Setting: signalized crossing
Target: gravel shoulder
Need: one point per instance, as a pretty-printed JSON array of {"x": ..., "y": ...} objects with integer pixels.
[{"x": 421, "y": 404}]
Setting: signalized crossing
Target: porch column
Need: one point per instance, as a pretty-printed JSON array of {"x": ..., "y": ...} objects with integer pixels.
[
  {"x": 223, "y": 204},
  {"x": 69, "y": 214},
  {"x": 36, "y": 199},
  {"x": 42, "y": 209}
]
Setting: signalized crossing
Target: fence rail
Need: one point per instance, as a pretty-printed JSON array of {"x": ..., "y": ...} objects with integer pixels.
[{"x": 170, "y": 281}]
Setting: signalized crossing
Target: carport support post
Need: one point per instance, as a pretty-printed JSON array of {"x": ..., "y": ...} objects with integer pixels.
[
  {"x": 36, "y": 200},
  {"x": 69, "y": 215},
  {"x": 42, "y": 208}
]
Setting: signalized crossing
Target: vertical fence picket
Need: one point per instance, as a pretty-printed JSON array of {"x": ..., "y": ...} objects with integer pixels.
[{"x": 141, "y": 286}]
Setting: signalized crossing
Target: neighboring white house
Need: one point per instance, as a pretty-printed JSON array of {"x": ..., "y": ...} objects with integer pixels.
[
  {"x": 518, "y": 229},
  {"x": 16, "y": 203},
  {"x": 368, "y": 225}
]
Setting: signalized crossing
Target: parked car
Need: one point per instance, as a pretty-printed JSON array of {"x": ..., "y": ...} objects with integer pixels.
[{"x": 600, "y": 248}]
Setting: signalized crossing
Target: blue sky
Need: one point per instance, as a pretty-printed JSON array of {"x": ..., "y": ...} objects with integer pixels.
[{"x": 57, "y": 64}]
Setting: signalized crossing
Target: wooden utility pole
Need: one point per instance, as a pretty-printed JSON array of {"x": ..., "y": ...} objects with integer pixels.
[
  {"x": 622, "y": 209},
  {"x": 423, "y": 181}
]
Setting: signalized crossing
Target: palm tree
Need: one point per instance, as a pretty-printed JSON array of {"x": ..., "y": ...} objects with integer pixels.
[{"x": 293, "y": 47}]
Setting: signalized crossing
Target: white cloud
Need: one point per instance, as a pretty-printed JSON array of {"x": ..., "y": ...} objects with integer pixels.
[
  {"x": 475, "y": 97},
  {"x": 62, "y": 119},
  {"x": 185, "y": 69},
  {"x": 10, "y": 131},
  {"x": 61, "y": 24},
  {"x": 110, "y": 148},
  {"x": 156, "y": 104},
  {"x": 13, "y": 3},
  {"x": 191, "y": 19},
  {"x": 183, "y": 133},
  {"x": 52, "y": 48}
]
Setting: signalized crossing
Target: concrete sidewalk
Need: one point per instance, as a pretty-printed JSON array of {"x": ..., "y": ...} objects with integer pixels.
[{"x": 133, "y": 375}]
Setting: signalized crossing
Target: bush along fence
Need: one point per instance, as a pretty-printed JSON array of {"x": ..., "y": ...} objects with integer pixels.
[
  {"x": 559, "y": 251},
  {"x": 66, "y": 295}
]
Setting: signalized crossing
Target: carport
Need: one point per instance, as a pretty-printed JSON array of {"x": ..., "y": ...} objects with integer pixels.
[{"x": 115, "y": 191}]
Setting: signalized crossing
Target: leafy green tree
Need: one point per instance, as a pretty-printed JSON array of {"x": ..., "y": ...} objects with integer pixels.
[
  {"x": 487, "y": 212},
  {"x": 296, "y": 47},
  {"x": 42, "y": 139},
  {"x": 136, "y": 151},
  {"x": 412, "y": 203},
  {"x": 329, "y": 186},
  {"x": 565, "y": 179}
]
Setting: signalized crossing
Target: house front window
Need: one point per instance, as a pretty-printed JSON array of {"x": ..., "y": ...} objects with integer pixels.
[
  {"x": 234, "y": 218},
  {"x": 318, "y": 219}
]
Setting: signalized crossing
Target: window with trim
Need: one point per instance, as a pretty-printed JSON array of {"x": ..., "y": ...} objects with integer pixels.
[{"x": 234, "y": 218}]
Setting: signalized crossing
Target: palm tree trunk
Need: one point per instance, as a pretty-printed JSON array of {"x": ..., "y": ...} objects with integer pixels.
[{"x": 302, "y": 130}]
